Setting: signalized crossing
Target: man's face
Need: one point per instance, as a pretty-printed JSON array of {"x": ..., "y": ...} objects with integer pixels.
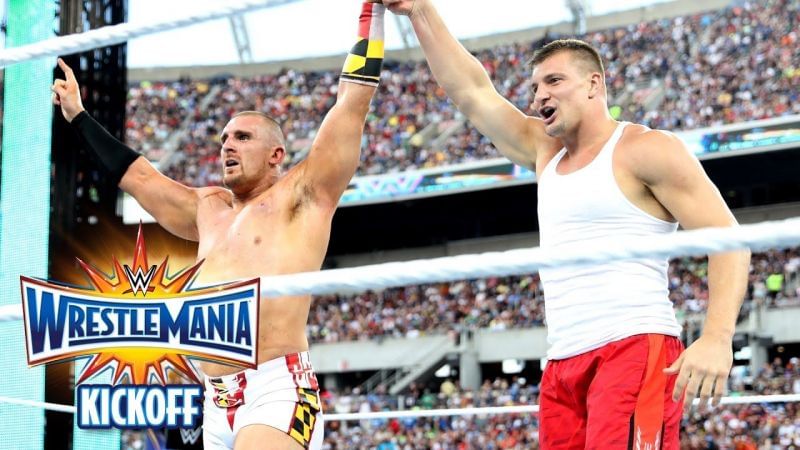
[
  {"x": 558, "y": 86},
  {"x": 246, "y": 146}
]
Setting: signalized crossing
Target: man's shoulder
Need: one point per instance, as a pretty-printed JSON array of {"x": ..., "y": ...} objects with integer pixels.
[
  {"x": 638, "y": 134},
  {"x": 646, "y": 151},
  {"x": 641, "y": 142}
]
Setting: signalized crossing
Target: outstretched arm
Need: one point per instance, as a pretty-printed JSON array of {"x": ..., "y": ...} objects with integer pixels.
[
  {"x": 516, "y": 135},
  {"x": 336, "y": 150},
  {"x": 172, "y": 204}
]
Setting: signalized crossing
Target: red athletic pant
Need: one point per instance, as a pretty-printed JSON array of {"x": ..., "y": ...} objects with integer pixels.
[{"x": 614, "y": 397}]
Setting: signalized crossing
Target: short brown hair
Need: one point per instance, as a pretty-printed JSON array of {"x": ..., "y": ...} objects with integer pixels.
[
  {"x": 580, "y": 49},
  {"x": 272, "y": 124}
]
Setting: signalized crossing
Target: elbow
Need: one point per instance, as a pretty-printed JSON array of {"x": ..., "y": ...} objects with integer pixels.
[
  {"x": 134, "y": 177},
  {"x": 472, "y": 97}
]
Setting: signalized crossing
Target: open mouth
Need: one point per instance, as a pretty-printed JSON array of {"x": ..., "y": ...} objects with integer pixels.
[
  {"x": 547, "y": 113},
  {"x": 231, "y": 163}
]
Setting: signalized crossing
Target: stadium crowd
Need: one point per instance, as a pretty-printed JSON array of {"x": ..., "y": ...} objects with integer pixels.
[
  {"x": 731, "y": 65},
  {"x": 500, "y": 303},
  {"x": 740, "y": 427},
  {"x": 735, "y": 427},
  {"x": 725, "y": 66},
  {"x": 518, "y": 302}
]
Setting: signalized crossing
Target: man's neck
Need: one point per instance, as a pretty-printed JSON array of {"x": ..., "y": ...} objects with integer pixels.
[
  {"x": 590, "y": 135},
  {"x": 241, "y": 199}
]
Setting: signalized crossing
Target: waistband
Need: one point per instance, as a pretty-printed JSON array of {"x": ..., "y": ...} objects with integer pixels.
[
  {"x": 291, "y": 370},
  {"x": 288, "y": 362}
]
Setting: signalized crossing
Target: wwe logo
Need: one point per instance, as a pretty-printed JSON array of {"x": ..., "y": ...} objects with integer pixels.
[
  {"x": 640, "y": 445},
  {"x": 191, "y": 436},
  {"x": 140, "y": 281}
]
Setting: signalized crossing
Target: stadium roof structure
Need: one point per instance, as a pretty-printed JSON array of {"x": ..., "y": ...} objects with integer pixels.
[{"x": 294, "y": 29}]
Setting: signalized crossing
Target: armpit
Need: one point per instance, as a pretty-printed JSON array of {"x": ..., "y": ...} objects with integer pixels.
[{"x": 303, "y": 195}]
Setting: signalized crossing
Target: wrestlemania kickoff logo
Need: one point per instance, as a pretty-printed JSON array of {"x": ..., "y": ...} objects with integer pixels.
[{"x": 140, "y": 322}]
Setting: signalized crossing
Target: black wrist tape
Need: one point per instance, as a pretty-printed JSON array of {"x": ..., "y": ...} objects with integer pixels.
[{"x": 114, "y": 156}]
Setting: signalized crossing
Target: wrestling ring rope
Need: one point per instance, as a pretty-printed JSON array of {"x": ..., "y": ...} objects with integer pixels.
[{"x": 760, "y": 236}]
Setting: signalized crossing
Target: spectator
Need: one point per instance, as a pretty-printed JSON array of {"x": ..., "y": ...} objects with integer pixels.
[{"x": 727, "y": 66}]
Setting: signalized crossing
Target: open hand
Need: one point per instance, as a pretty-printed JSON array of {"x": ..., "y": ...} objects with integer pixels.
[
  {"x": 67, "y": 93},
  {"x": 702, "y": 368}
]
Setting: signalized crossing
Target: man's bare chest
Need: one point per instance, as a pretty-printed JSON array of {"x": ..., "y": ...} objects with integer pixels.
[{"x": 227, "y": 235}]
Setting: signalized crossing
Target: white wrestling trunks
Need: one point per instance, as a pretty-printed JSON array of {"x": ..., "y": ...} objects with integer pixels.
[{"x": 282, "y": 393}]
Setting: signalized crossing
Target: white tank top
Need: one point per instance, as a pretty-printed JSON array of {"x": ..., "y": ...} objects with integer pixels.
[{"x": 588, "y": 307}]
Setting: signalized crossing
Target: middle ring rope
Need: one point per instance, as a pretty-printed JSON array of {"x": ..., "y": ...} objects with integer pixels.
[
  {"x": 473, "y": 411},
  {"x": 758, "y": 236}
]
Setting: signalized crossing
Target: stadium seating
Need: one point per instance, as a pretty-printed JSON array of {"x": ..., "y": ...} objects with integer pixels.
[
  {"x": 726, "y": 66},
  {"x": 518, "y": 302}
]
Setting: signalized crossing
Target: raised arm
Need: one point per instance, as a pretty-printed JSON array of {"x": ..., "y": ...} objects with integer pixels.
[
  {"x": 517, "y": 135},
  {"x": 335, "y": 153},
  {"x": 678, "y": 181},
  {"x": 172, "y": 204}
]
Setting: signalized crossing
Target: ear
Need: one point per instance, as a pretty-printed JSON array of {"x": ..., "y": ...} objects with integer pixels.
[
  {"x": 276, "y": 156},
  {"x": 595, "y": 84}
]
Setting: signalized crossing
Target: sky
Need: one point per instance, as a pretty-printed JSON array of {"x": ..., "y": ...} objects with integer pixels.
[
  {"x": 321, "y": 27},
  {"x": 307, "y": 28}
]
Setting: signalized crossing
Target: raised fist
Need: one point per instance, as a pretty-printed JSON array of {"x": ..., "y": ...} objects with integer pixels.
[{"x": 402, "y": 7}]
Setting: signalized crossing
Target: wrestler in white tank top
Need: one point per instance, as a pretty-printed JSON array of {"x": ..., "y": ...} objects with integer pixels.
[{"x": 588, "y": 307}]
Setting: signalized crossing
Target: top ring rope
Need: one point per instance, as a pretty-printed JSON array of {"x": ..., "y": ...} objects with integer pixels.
[
  {"x": 116, "y": 34},
  {"x": 760, "y": 236}
]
